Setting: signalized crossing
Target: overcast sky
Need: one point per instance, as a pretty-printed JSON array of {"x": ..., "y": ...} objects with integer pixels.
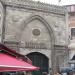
[{"x": 63, "y": 2}]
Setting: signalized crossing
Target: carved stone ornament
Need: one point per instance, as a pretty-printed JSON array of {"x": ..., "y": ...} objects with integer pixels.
[
  {"x": 36, "y": 32},
  {"x": 30, "y": 4}
]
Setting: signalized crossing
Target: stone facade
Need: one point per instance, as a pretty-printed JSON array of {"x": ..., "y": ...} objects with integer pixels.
[{"x": 34, "y": 27}]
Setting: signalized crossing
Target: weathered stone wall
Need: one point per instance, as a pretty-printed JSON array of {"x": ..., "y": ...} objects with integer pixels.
[
  {"x": 36, "y": 27},
  {"x": 14, "y": 24},
  {"x": 1, "y": 20}
]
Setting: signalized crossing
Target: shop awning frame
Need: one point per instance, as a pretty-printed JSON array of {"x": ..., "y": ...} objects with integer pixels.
[{"x": 12, "y": 61}]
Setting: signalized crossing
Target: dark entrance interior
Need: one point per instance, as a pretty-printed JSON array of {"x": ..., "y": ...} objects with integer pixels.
[{"x": 41, "y": 61}]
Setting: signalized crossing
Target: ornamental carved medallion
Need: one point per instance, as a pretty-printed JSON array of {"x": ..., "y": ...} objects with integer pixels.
[{"x": 36, "y": 32}]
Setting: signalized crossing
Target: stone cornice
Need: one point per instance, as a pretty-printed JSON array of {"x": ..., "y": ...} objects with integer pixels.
[{"x": 35, "y": 6}]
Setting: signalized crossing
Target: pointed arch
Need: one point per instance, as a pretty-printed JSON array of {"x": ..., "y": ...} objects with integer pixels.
[
  {"x": 38, "y": 53},
  {"x": 45, "y": 23},
  {"x": 25, "y": 22}
]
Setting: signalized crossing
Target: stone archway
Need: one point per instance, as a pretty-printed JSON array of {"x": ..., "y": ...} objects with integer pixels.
[
  {"x": 40, "y": 20},
  {"x": 39, "y": 60}
]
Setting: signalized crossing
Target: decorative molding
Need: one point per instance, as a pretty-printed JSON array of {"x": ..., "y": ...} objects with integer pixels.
[
  {"x": 35, "y": 45},
  {"x": 59, "y": 47},
  {"x": 28, "y": 4},
  {"x": 14, "y": 45}
]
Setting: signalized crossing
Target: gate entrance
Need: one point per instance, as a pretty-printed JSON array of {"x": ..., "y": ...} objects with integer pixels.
[{"x": 39, "y": 60}]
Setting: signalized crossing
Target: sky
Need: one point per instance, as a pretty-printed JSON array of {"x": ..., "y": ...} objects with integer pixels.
[{"x": 56, "y": 2}]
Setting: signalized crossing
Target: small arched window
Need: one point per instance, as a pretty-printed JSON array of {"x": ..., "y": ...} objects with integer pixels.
[{"x": 72, "y": 33}]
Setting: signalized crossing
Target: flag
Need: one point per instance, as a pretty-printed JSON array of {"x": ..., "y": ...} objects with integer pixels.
[{"x": 59, "y": 0}]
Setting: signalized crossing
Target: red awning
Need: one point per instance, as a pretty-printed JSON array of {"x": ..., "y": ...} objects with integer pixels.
[
  {"x": 14, "y": 53},
  {"x": 9, "y": 63},
  {"x": 7, "y": 69}
]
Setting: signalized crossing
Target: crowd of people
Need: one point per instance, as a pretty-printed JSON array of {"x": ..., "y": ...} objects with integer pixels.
[{"x": 65, "y": 73}]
